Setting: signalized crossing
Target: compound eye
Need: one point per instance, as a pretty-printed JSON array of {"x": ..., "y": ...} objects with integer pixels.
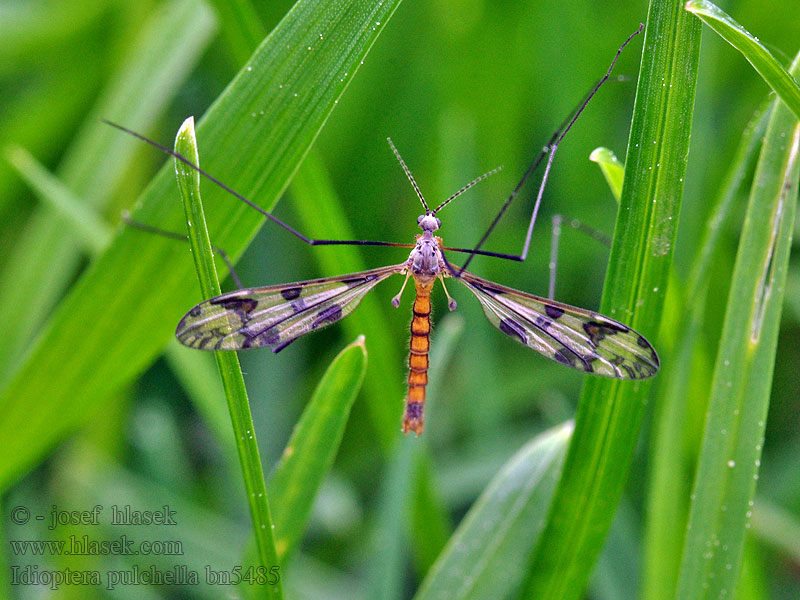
[
  {"x": 419, "y": 219},
  {"x": 438, "y": 222}
]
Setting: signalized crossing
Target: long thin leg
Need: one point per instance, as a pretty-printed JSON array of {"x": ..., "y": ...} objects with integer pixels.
[
  {"x": 549, "y": 151},
  {"x": 270, "y": 216},
  {"x": 182, "y": 238}
]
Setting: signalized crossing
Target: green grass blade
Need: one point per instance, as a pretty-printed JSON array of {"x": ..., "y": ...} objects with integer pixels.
[
  {"x": 777, "y": 526},
  {"x": 387, "y": 558},
  {"x": 730, "y": 455},
  {"x": 753, "y": 50},
  {"x": 227, "y": 362},
  {"x": 309, "y": 455},
  {"x": 125, "y": 307},
  {"x": 90, "y": 229},
  {"x": 610, "y": 411},
  {"x": 488, "y": 555},
  {"x": 240, "y": 26},
  {"x": 684, "y": 394}
]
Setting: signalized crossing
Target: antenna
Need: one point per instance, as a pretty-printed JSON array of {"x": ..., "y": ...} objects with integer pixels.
[
  {"x": 410, "y": 176},
  {"x": 465, "y": 188}
]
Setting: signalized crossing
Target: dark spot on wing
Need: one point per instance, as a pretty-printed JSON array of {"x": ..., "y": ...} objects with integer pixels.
[
  {"x": 642, "y": 342},
  {"x": 298, "y": 305},
  {"x": 567, "y": 356},
  {"x": 542, "y": 323},
  {"x": 290, "y": 293},
  {"x": 620, "y": 362},
  {"x": 196, "y": 311},
  {"x": 356, "y": 281},
  {"x": 553, "y": 311},
  {"x": 242, "y": 305},
  {"x": 329, "y": 315},
  {"x": 513, "y": 329},
  {"x": 598, "y": 331}
]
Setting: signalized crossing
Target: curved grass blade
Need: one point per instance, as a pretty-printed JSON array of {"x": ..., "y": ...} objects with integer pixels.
[
  {"x": 92, "y": 232},
  {"x": 309, "y": 455},
  {"x": 613, "y": 170},
  {"x": 260, "y": 128},
  {"x": 610, "y": 412},
  {"x": 773, "y": 73},
  {"x": 227, "y": 362},
  {"x": 488, "y": 555},
  {"x": 734, "y": 432}
]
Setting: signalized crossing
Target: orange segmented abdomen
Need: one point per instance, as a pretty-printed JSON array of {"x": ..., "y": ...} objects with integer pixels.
[{"x": 418, "y": 358}]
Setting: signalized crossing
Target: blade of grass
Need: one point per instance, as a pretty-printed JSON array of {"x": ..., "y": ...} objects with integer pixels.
[
  {"x": 240, "y": 26},
  {"x": 91, "y": 230},
  {"x": 388, "y": 544},
  {"x": 734, "y": 432},
  {"x": 227, "y": 362},
  {"x": 777, "y": 526},
  {"x": 687, "y": 384},
  {"x": 754, "y": 51},
  {"x": 610, "y": 411},
  {"x": 309, "y": 455},
  {"x": 124, "y": 308},
  {"x": 488, "y": 555}
]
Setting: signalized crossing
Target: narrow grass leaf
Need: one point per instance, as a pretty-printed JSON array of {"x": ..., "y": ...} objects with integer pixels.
[
  {"x": 686, "y": 385},
  {"x": 488, "y": 555},
  {"x": 730, "y": 456},
  {"x": 778, "y": 527},
  {"x": 91, "y": 231},
  {"x": 776, "y": 76},
  {"x": 309, "y": 455},
  {"x": 125, "y": 306},
  {"x": 386, "y": 561},
  {"x": 240, "y": 26},
  {"x": 610, "y": 411},
  {"x": 227, "y": 362}
]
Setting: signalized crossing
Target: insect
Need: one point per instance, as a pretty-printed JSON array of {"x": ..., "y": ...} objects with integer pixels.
[{"x": 275, "y": 316}]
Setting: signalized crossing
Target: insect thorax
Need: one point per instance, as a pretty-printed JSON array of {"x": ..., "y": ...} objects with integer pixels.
[{"x": 425, "y": 260}]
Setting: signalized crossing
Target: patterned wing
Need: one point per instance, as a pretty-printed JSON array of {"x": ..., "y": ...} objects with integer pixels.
[
  {"x": 276, "y": 315},
  {"x": 575, "y": 337}
]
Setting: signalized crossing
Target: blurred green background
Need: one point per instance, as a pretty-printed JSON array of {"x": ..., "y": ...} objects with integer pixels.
[{"x": 461, "y": 87}]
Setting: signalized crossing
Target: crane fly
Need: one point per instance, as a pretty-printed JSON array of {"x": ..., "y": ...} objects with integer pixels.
[{"x": 275, "y": 316}]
